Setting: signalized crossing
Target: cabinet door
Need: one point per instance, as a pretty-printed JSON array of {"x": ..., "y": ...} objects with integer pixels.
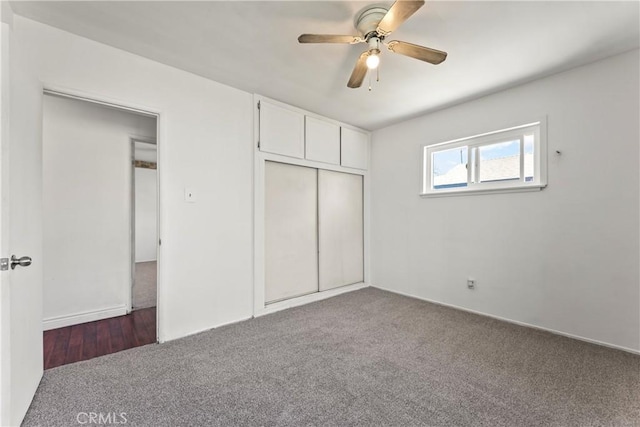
[
  {"x": 281, "y": 130},
  {"x": 322, "y": 141},
  {"x": 354, "y": 149},
  {"x": 291, "y": 233},
  {"x": 341, "y": 229}
]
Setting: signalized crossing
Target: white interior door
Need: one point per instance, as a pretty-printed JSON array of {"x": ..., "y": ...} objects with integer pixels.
[
  {"x": 341, "y": 232},
  {"x": 291, "y": 233},
  {"x": 21, "y": 363}
]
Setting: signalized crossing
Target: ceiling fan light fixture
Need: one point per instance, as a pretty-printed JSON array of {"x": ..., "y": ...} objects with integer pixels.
[
  {"x": 373, "y": 60},
  {"x": 374, "y": 25}
]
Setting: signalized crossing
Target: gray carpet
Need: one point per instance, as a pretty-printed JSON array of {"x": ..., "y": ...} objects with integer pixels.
[
  {"x": 145, "y": 285},
  {"x": 364, "y": 358}
]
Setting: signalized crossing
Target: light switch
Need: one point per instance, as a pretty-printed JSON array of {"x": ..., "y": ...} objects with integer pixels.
[{"x": 189, "y": 195}]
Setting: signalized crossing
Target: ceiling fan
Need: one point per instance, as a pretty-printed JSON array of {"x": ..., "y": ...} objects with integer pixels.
[{"x": 375, "y": 24}]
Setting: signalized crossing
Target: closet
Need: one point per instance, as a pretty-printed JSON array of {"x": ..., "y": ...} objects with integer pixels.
[
  {"x": 310, "y": 204},
  {"x": 313, "y": 230}
]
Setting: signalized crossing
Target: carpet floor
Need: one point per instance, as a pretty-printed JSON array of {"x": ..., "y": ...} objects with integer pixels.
[
  {"x": 145, "y": 285},
  {"x": 367, "y": 357}
]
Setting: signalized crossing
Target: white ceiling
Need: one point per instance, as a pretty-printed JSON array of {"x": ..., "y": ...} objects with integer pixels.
[{"x": 253, "y": 46}]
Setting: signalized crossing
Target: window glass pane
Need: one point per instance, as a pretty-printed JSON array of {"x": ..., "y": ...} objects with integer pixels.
[
  {"x": 528, "y": 157},
  {"x": 500, "y": 161},
  {"x": 449, "y": 168}
]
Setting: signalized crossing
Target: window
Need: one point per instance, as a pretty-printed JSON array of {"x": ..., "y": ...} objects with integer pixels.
[{"x": 505, "y": 160}]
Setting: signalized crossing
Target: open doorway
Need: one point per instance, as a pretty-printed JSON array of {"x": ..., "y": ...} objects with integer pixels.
[{"x": 100, "y": 245}]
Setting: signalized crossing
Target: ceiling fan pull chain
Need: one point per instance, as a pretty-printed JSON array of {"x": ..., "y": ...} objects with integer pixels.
[{"x": 369, "y": 82}]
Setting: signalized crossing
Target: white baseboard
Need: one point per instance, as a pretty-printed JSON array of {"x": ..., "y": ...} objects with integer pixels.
[
  {"x": 306, "y": 299},
  {"x": 84, "y": 317},
  {"x": 162, "y": 340},
  {"x": 516, "y": 322}
]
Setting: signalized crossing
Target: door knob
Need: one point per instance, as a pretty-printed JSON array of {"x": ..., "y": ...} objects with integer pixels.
[{"x": 24, "y": 261}]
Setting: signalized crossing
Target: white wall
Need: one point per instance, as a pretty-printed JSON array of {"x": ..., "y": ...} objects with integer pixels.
[
  {"x": 86, "y": 204},
  {"x": 565, "y": 258},
  {"x": 145, "y": 214},
  {"x": 205, "y": 143}
]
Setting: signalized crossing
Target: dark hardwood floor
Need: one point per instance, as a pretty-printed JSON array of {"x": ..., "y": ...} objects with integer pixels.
[{"x": 88, "y": 340}]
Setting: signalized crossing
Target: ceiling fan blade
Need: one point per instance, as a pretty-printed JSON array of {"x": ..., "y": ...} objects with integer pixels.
[
  {"x": 328, "y": 38},
  {"x": 422, "y": 53},
  {"x": 400, "y": 11},
  {"x": 359, "y": 71}
]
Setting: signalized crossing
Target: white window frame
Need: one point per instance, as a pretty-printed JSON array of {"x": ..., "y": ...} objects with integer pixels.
[{"x": 473, "y": 143}]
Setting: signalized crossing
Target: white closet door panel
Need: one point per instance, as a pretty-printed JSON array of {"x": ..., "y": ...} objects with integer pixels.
[
  {"x": 341, "y": 238},
  {"x": 322, "y": 141},
  {"x": 281, "y": 130},
  {"x": 291, "y": 233}
]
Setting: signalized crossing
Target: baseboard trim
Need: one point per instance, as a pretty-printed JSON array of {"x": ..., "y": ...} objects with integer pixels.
[
  {"x": 515, "y": 322},
  {"x": 306, "y": 299},
  {"x": 84, "y": 317},
  {"x": 207, "y": 329}
]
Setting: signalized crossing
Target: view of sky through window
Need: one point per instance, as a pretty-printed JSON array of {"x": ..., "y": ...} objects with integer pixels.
[
  {"x": 444, "y": 161},
  {"x": 500, "y": 150}
]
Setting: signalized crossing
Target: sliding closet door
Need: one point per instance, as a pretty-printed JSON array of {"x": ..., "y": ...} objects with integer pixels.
[
  {"x": 340, "y": 215},
  {"x": 291, "y": 231}
]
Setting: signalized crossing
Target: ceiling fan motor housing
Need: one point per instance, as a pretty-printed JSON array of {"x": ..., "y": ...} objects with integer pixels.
[{"x": 367, "y": 22}]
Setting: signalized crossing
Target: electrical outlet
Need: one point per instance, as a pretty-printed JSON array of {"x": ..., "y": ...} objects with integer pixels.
[{"x": 471, "y": 283}]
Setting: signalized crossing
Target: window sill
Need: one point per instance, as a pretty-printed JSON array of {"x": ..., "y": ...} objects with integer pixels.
[{"x": 473, "y": 192}]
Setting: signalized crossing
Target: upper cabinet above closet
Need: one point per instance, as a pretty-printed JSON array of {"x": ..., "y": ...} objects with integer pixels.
[
  {"x": 322, "y": 141},
  {"x": 354, "y": 149},
  {"x": 281, "y": 130},
  {"x": 291, "y": 132}
]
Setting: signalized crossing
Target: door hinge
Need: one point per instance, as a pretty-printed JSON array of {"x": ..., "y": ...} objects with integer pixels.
[
  {"x": 159, "y": 242},
  {"x": 4, "y": 264},
  {"x": 258, "y": 125}
]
